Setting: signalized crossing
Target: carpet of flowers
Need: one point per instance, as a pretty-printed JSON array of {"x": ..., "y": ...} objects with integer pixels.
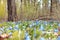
[{"x": 30, "y": 30}]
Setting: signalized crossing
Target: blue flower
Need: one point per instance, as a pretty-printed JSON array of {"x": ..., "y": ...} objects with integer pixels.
[
  {"x": 45, "y": 22},
  {"x": 59, "y": 24},
  {"x": 16, "y": 27},
  {"x": 1, "y": 29},
  {"x": 37, "y": 22},
  {"x": 27, "y": 38},
  {"x": 56, "y": 30},
  {"x": 42, "y": 38},
  {"x": 58, "y": 38},
  {"x": 34, "y": 33},
  {"x": 41, "y": 28},
  {"x": 10, "y": 28},
  {"x": 30, "y": 25},
  {"x": 10, "y": 33},
  {"x": 26, "y": 34},
  {"x": 0, "y": 32},
  {"x": 33, "y": 24}
]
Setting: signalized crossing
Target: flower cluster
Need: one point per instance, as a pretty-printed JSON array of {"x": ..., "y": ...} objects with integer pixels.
[{"x": 31, "y": 29}]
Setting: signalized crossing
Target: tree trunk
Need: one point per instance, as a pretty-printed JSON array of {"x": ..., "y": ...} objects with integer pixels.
[
  {"x": 12, "y": 16},
  {"x": 51, "y": 8},
  {"x": 21, "y": 16}
]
